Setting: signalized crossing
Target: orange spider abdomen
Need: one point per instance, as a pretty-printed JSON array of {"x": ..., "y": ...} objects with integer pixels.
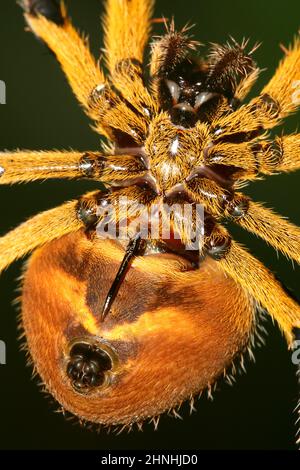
[{"x": 171, "y": 332}]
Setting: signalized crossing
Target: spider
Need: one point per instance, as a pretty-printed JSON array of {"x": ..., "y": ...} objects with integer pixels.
[{"x": 121, "y": 330}]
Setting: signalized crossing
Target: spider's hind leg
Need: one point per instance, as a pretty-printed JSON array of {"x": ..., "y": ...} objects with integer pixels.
[
  {"x": 49, "y": 225},
  {"x": 260, "y": 283}
]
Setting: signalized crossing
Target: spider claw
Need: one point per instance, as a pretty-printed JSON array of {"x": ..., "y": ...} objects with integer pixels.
[{"x": 50, "y": 9}]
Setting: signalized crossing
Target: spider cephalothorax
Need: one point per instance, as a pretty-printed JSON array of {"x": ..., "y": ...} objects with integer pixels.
[{"x": 123, "y": 330}]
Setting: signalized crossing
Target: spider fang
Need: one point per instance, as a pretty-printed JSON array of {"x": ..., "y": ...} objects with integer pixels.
[{"x": 135, "y": 247}]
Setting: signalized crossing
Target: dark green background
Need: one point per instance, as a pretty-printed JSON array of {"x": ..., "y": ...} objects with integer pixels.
[{"x": 41, "y": 113}]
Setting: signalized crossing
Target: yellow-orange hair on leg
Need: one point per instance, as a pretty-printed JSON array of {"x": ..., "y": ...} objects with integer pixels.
[
  {"x": 127, "y": 28},
  {"x": 72, "y": 52}
]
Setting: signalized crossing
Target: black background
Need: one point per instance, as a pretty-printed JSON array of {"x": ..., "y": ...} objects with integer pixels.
[{"x": 41, "y": 113}]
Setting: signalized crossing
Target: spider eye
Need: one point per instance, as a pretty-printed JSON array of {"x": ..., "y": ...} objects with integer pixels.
[{"x": 87, "y": 366}]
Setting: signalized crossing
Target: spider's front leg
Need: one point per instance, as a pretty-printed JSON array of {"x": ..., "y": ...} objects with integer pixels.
[
  {"x": 127, "y": 25},
  {"x": 49, "y": 22},
  {"x": 257, "y": 280}
]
